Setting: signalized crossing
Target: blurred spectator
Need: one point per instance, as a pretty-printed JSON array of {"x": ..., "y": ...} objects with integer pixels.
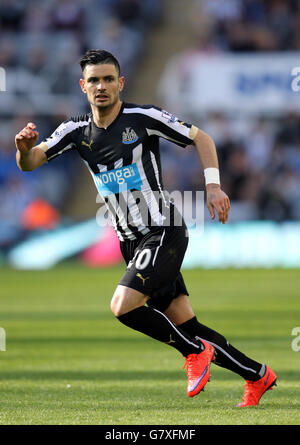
[
  {"x": 245, "y": 39},
  {"x": 259, "y": 145},
  {"x": 8, "y": 54},
  {"x": 33, "y": 75},
  {"x": 123, "y": 42},
  {"x": 238, "y": 172},
  {"x": 289, "y": 130},
  {"x": 36, "y": 61},
  {"x": 280, "y": 18},
  {"x": 16, "y": 194},
  {"x": 37, "y": 17},
  {"x": 11, "y": 15},
  {"x": 39, "y": 214},
  {"x": 129, "y": 13},
  {"x": 68, "y": 15},
  {"x": 255, "y": 11},
  {"x": 7, "y": 161}
]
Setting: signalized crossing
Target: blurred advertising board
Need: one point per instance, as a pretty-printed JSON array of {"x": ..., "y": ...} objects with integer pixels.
[
  {"x": 254, "y": 244},
  {"x": 260, "y": 83}
]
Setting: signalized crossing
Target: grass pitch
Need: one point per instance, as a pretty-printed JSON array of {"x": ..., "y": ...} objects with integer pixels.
[{"x": 69, "y": 361}]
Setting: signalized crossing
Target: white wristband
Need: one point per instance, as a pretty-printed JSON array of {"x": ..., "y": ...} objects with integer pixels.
[{"x": 212, "y": 175}]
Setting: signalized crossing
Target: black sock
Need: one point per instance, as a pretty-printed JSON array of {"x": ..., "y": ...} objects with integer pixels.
[
  {"x": 226, "y": 355},
  {"x": 151, "y": 322}
]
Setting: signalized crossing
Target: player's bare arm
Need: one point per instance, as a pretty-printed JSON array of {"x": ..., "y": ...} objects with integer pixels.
[
  {"x": 29, "y": 156},
  {"x": 216, "y": 198}
]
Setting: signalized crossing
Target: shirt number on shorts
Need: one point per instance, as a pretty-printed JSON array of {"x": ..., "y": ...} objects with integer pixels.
[{"x": 142, "y": 259}]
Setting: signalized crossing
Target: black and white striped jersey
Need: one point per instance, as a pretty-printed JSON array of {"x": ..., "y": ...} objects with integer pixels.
[{"x": 124, "y": 162}]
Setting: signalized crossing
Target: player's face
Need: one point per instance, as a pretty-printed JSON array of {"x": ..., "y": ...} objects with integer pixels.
[{"x": 102, "y": 85}]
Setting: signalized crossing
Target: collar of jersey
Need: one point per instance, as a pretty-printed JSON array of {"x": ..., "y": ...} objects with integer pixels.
[{"x": 113, "y": 122}]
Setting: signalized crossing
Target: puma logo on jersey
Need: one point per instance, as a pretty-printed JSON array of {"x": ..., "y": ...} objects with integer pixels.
[
  {"x": 88, "y": 145},
  {"x": 129, "y": 136},
  {"x": 142, "y": 278}
]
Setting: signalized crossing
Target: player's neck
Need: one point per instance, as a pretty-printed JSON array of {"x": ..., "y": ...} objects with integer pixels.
[{"x": 103, "y": 117}]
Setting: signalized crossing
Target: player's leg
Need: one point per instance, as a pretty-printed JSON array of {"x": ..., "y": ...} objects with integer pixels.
[
  {"x": 147, "y": 274},
  {"x": 128, "y": 305},
  {"x": 181, "y": 313},
  {"x": 259, "y": 378},
  {"x": 155, "y": 324}
]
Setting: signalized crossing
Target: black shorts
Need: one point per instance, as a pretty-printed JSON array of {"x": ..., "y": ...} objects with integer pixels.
[{"x": 153, "y": 265}]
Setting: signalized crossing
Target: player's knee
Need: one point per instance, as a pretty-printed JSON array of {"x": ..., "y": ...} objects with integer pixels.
[
  {"x": 125, "y": 300},
  {"x": 121, "y": 304},
  {"x": 116, "y": 305}
]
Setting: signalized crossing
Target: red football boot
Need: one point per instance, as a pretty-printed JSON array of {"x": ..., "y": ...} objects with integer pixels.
[
  {"x": 198, "y": 369},
  {"x": 254, "y": 390}
]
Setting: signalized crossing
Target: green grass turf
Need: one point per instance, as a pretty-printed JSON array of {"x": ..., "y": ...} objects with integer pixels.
[{"x": 69, "y": 361}]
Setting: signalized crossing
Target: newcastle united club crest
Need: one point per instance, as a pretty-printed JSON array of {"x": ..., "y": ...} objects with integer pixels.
[{"x": 129, "y": 136}]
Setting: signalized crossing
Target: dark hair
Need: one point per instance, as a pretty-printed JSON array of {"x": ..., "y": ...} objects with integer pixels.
[{"x": 98, "y": 56}]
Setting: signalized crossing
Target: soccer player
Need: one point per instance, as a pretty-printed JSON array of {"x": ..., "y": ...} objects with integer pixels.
[{"x": 119, "y": 143}]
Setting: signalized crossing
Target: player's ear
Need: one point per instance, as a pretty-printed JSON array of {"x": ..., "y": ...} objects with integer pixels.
[
  {"x": 121, "y": 83},
  {"x": 82, "y": 85}
]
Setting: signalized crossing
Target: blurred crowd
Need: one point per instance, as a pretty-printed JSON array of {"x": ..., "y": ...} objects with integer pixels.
[
  {"x": 259, "y": 161},
  {"x": 259, "y": 154},
  {"x": 247, "y": 25},
  {"x": 41, "y": 44}
]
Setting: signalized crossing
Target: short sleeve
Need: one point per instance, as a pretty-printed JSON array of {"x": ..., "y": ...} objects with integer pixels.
[
  {"x": 60, "y": 141},
  {"x": 168, "y": 126}
]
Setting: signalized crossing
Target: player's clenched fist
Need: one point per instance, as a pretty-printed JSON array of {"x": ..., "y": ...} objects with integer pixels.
[{"x": 26, "y": 139}]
